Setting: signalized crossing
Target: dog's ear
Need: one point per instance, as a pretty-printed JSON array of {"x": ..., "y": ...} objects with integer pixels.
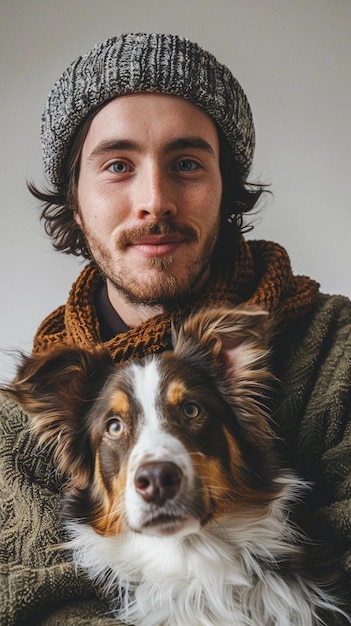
[
  {"x": 56, "y": 389},
  {"x": 232, "y": 345},
  {"x": 236, "y": 337}
]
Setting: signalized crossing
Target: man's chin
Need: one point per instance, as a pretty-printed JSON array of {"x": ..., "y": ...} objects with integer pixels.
[
  {"x": 161, "y": 289},
  {"x": 166, "y": 297}
]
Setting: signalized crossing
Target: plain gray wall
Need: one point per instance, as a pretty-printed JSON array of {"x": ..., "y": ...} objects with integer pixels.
[{"x": 292, "y": 58}]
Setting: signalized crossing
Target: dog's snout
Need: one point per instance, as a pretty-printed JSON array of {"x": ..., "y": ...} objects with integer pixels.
[{"x": 158, "y": 481}]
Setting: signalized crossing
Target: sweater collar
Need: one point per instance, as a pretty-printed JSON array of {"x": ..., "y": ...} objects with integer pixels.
[{"x": 261, "y": 275}]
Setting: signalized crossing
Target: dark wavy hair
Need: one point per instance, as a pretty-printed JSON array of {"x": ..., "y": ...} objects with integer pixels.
[{"x": 59, "y": 206}]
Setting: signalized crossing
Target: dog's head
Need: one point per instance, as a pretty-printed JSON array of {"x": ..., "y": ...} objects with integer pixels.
[{"x": 165, "y": 444}]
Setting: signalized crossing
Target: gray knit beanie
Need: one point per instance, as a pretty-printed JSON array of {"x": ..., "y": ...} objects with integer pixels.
[{"x": 131, "y": 63}]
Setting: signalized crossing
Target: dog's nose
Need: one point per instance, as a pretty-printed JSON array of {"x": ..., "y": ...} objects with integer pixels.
[{"x": 157, "y": 482}]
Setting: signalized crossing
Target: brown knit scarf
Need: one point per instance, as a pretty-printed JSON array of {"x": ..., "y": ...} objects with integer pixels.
[{"x": 261, "y": 275}]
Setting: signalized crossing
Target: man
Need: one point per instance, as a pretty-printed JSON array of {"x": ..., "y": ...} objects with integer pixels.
[{"x": 148, "y": 142}]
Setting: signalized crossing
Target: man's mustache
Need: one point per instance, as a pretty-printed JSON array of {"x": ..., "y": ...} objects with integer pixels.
[{"x": 133, "y": 235}]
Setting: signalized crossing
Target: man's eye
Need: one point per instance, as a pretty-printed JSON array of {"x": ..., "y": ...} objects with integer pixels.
[
  {"x": 186, "y": 165},
  {"x": 119, "y": 167}
]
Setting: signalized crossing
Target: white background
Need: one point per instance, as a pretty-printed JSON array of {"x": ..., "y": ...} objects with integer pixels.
[{"x": 293, "y": 60}]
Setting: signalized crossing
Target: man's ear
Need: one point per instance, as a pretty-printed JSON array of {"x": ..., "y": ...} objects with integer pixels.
[
  {"x": 56, "y": 389},
  {"x": 77, "y": 218},
  {"x": 232, "y": 346}
]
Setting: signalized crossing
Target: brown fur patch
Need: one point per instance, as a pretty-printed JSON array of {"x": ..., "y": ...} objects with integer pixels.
[
  {"x": 237, "y": 463},
  {"x": 228, "y": 488},
  {"x": 120, "y": 402},
  {"x": 176, "y": 392},
  {"x": 109, "y": 517}
]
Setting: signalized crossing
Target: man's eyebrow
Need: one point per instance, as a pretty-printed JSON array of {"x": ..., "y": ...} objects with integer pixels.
[
  {"x": 113, "y": 145},
  {"x": 180, "y": 143},
  {"x": 183, "y": 143}
]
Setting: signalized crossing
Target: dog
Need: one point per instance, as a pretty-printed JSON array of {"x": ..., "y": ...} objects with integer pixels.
[{"x": 175, "y": 503}]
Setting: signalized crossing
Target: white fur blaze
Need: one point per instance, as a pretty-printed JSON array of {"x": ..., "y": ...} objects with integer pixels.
[{"x": 154, "y": 444}]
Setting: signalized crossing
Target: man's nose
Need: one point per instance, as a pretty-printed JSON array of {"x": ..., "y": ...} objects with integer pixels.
[{"x": 154, "y": 196}]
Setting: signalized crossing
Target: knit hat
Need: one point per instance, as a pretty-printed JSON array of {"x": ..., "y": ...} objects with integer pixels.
[{"x": 134, "y": 63}]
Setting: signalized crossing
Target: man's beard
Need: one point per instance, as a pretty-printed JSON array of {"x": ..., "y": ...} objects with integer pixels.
[{"x": 166, "y": 289}]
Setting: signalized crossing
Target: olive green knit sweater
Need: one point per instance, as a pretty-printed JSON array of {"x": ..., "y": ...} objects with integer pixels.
[{"x": 312, "y": 358}]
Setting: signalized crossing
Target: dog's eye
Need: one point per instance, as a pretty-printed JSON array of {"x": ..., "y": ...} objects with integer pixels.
[
  {"x": 115, "y": 427},
  {"x": 191, "y": 410}
]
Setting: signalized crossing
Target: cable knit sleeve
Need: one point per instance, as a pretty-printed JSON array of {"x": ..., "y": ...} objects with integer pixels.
[
  {"x": 314, "y": 414},
  {"x": 37, "y": 584}
]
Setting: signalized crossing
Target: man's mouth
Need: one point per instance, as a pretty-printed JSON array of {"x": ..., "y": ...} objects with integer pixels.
[
  {"x": 160, "y": 239},
  {"x": 158, "y": 245}
]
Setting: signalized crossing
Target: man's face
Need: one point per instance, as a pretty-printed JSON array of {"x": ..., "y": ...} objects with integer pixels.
[{"x": 149, "y": 195}]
